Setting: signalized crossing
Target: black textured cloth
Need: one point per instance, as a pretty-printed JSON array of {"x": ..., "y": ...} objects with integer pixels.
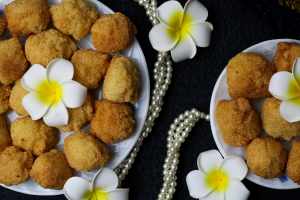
[{"x": 238, "y": 24}]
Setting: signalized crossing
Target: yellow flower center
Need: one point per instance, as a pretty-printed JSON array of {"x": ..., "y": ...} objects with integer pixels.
[
  {"x": 49, "y": 92},
  {"x": 180, "y": 25},
  {"x": 218, "y": 180},
  {"x": 96, "y": 194}
]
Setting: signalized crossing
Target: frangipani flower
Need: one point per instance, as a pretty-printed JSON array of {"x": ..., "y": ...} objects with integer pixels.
[
  {"x": 181, "y": 29},
  {"x": 218, "y": 178},
  {"x": 285, "y": 86},
  {"x": 51, "y": 90},
  {"x": 104, "y": 187}
]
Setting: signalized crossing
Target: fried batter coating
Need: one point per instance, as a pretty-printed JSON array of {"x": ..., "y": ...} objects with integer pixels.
[
  {"x": 266, "y": 157},
  {"x": 15, "y": 166},
  {"x": 27, "y": 16},
  {"x": 51, "y": 170},
  {"x": 112, "y": 122},
  {"x": 33, "y": 136},
  {"x": 239, "y": 123},
  {"x": 45, "y": 46},
  {"x": 112, "y": 33},
  {"x": 15, "y": 99},
  {"x": 121, "y": 83},
  {"x": 12, "y": 61},
  {"x": 5, "y": 139},
  {"x": 74, "y": 17},
  {"x": 5, "y": 91},
  {"x": 285, "y": 55},
  {"x": 248, "y": 75},
  {"x": 90, "y": 67},
  {"x": 293, "y": 165},
  {"x": 84, "y": 152},
  {"x": 2, "y": 25}
]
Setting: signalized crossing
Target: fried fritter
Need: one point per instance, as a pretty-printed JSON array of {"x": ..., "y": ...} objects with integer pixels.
[
  {"x": 2, "y": 25},
  {"x": 112, "y": 122},
  {"x": 293, "y": 165},
  {"x": 112, "y": 33},
  {"x": 121, "y": 83},
  {"x": 286, "y": 55},
  {"x": 239, "y": 123},
  {"x": 266, "y": 157},
  {"x": 33, "y": 136},
  {"x": 27, "y": 16},
  {"x": 45, "y": 46},
  {"x": 5, "y": 91},
  {"x": 5, "y": 139},
  {"x": 248, "y": 75},
  {"x": 51, "y": 170},
  {"x": 74, "y": 17},
  {"x": 16, "y": 97},
  {"x": 15, "y": 165}
]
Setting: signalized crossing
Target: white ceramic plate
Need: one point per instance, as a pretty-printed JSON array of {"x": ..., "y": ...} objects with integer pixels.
[
  {"x": 267, "y": 48},
  {"x": 121, "y": 149}
]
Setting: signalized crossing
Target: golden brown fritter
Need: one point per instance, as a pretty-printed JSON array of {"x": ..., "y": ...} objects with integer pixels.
[
  {"x": 84, "y": 152},
  {"x": 112, "y": 122},
  {"x": 90, "y": 67},
  {"x": 15, "y": 165},
  {"x": 293, "y": 165},
  {"x": 78, "y": 117},
  {"x": 285, "y": 55},
  {"x": 45, "y": 46},
  {"x": 27, "y": 16},
  {"x": 121, "y": 83},
  {"x": 266, "y": 157},
  {"x": 2, "y": 25},
  {"x": 274, "y": 124},
  {"x": 12, "y": 61},
  {"x": 4, "y": 98},
  {"x": 239, "y": 123},
  {"x": 51, "y": 170},
  {"x": 248, "y": 75},
  {"x": 112, "y": 33},
  {"x": 16, "y": 97},
  {"x": 74, "y": 17},
  {"x": 5, "y": 139},
  {"x": 33, "y": 136}
]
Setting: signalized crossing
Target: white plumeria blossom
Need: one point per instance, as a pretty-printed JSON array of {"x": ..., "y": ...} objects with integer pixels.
[
  {"x": 52, "y": 91},
  {"x": 104, "y": 187},
  {"x": 285, "y": 86},
  {"x": 218, "y": 178},
  {"x": 181, "y": 29}
]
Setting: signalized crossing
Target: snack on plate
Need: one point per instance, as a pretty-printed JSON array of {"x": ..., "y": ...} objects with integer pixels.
[
  {"x": 293, "y": 165},
  {"x": 33, "y": 136},
  {"x": 47, "y": 45},
  {"x": 84, "y": 152},
  {"x": 12, "y": 61},
  {"x": 285, "y": 56},
  {"x": 2, "y": 25},
  {"x": 27, "y": 16},
  {"x": 5, "y": 139},
  {"x": 74, "y": 17},
  {"x": 122, "y": 81},
  {"x": 15, "y": 165},
  {"x": 15, "y": 98},
  {"x": 90, "y": 67},
  {"x": 266, "y": 157},
  {"x": 248, "y": 75},
  {"x": 112, "y": 122},
  {"x": 112, "y": 33},
  {"x": 238, "y": 121},
  {"x": 51, "y": 170},
  {"x": 5, "y": 91}
]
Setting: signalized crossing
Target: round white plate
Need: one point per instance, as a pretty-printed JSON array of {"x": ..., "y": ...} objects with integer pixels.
[
  {"x": 268, "y": 49},
  {"x": 119, "y": 150}
]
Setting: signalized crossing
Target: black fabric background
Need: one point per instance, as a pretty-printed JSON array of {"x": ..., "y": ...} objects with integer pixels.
[{"x": 238, "y": 24}]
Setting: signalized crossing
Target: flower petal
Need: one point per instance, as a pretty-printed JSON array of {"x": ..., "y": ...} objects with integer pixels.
[
  {"x": 161, "y": 38},
  {"x": 107, "y": 180},
  {"x": 195, "y": 181},
  {"x": 33, "y": 106},
  {"x": 296, "y": 70},
  {"x": 236, "y": 191},
  {"x": 168, "y": 10},
  {"x": 283, "y": 86},
  {"x": 209, "y": 160},
  {"x": 76, "y": 187},
  {"x": 60, "y": 70},
  {"x": 119, "y": 194},
  {"x": 290, "y": 110},
  {"x": 33, "y": 77},
  {"x": 57, "y": 115},
  {"x": 235, "y": 167},
  {"x": 201, "y": 33},
  {"x": 74, "y": 94},
  {"x": 196, "y": 10},
  {"x": 214, "y": 196},
  {"x": 184, "y": 49}
]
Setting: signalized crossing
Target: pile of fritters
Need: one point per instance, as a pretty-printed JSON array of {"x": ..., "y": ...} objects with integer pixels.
[{"x": 27, "y": 147}]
